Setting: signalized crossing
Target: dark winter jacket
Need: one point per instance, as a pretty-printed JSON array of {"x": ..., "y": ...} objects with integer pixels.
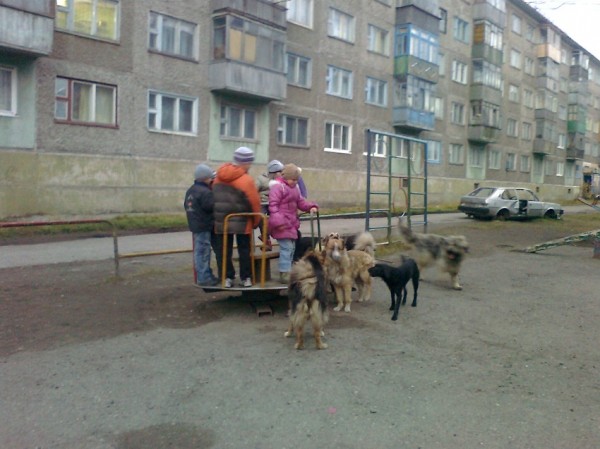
[
  {"x": 235, "y": 192},
  {"x": 198, "y": 204}
]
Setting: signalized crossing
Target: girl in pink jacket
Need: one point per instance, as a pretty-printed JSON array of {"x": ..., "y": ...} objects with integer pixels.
[{"x": 284, "y": 201}]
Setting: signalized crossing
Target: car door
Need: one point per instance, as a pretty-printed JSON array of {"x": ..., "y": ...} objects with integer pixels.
[
  {"x": 533, "y": 206},
  {"x": 510, "y": 201}
]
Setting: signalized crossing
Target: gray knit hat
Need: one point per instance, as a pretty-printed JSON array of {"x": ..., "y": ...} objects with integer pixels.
[
  {"x": 274, "y": 166},
  {"x": 203, "y": 172},
  {"x": 243, "y": 155}
]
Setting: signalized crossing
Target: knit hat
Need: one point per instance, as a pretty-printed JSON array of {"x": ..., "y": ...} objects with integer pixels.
[
  {"x": 203, "y": 172},
  {"x": 274, "y": 166},
  {"x": 243, "y": 155},
  {"x": 290, "y": 171}
]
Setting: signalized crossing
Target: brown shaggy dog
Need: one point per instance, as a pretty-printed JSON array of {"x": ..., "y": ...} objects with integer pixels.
[
  {"x": 448, "y": 252},
  {"x": 344, "y": 268},
  {"x": 308, "y": 299},
  {"x": 360, "y": 242}
]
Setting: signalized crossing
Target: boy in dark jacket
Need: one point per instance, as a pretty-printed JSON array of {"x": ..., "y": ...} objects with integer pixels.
[{"x": 199, "y": 204}]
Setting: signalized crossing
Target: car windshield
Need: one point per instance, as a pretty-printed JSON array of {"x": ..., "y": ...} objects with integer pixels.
[{"x": 482, "y": 192}]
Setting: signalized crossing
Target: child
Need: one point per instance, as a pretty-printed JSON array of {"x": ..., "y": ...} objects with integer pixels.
[
  {"x": 284, "y": 201},
  {"x": 198, "y": 204}
]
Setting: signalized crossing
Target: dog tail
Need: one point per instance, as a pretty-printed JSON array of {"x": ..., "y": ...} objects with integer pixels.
[
  {"x": 365, "y": 242},
  {"x": 405, "y": 231},
  {"x": 321, "y": 290}
]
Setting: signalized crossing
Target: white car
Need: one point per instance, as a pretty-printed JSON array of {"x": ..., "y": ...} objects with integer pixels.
[{"x": 507, "y": 202}]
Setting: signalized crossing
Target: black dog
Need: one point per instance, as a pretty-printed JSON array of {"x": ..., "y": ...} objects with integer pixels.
[
  {"x": 396, "y": 278},
  {"x": 303, "y": 245}
]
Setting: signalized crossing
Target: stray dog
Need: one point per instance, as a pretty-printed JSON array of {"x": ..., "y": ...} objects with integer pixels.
[
  {"x": 360, "y": 242},
  {"x": 308, "y": 298},
  {"x": 396, "y": 279},
  {"x": 303, "y": 245},
  {"x": 448, "y": 252},
  {"x": 344, "y": 268}
]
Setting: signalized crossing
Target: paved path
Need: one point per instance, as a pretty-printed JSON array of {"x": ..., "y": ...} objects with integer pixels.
[{"x": 102, "y": 248}]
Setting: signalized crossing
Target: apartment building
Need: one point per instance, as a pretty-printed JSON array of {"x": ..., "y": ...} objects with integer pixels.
[{"x": 107, "y": 105}]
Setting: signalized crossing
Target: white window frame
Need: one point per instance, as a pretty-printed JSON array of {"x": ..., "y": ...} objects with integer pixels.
[
  {"x": 438, "y": 107},
  {"x": 376, "y": 92},
  {"x": 456, "y": 153},
  {"x": 515, "y": 24},
  {"x": 66, "y": 9},
  {"x": 338, "y": 134},
  {"x": 494, "y": 157},
  {"x": 156, "y": 110},
  {"x": 225, "y": 128},
  {"x": 434, "y": 151},
  {"x": 294, "y": 65},
  {"x": 525, "y": 163},
  {"x": 291, "y": 137},
  {"x": 378, "y": 40},
  {"x": 65, "y": 101},
  {"x": 8, "y": 104},
  {"x": 513, "y": 93},
  {"x": 512, "y": 127},
  {"x": 460, "y": 72},
  {"x": 457, "y": 113},
  {"x": 157, "y": 31},
  {"x": 515, "y": 58},
  {"x": 339, "y": 82},
  {"x": 300, "y": 12},
  {"x": 461, "y": 30},
  {"x": 341, "y": 25},
  {"x": 527, "y": 131},
  {"x": 560, "y": 168},
  {"x": 511, "y": 161}
]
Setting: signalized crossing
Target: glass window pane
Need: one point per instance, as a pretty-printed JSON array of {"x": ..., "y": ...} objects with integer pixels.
[
  {"x": 167, "y": 113},
  {"x": 82, "y": 16},
  {"x": 82, "y": 96},
  {"x": 235, "y": 116},
  {"x": 185, "y": 115},
  {"x": 107, "y": 19},
  {"x": 249, "y": 125},
  {"x": 168, "y": 35},
  {"x": 104, "y": 105}
]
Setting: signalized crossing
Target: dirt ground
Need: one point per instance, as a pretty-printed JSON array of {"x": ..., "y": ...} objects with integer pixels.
[{"x": 150, "y": 361}]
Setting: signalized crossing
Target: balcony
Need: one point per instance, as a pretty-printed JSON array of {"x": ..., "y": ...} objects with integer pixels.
[
  {"x": 413, "y": 119},
  {"x": 574, "y": 154},
  {"x": 405, "y": 66},
  {"x": 242, "y": 79},
  {"x": 27, "y": 27},
  {"x": 486, "y": 11},
  {"x": 265, "y": 11},
  {"x": 483, "y": 134},
  {"x": 544, "y": 147}
]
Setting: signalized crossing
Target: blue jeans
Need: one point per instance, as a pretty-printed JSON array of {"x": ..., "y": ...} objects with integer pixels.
[
  {"x": 202, "y": 245},
  {"x": 286, "y": 254}
]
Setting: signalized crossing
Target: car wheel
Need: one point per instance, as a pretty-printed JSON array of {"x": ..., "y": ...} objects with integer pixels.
[
  {"x": 550, "y": 214},
  {"x": 503, "y": 215}
]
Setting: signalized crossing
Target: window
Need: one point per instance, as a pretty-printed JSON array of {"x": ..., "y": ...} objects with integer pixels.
[
  {"x": 513, "y": 93},
  {"x": 379, "y": 145},
  {"x": 560, "y": 168},
  {"x": 340, "y": 25},
  {"x": 299, "y": 70},
  {"x": 442, "y": 64},
  {"x": 460, "y": 72},
  {"x": 300, "y": 12},
  {"x": 530, "y": 32},
  {"x": 529, "y": 66},
  {"x": 443, "y": 24},
  {"x": 85, "y": 102},
  {"x": 434, "y": 151},
  {"x": 251, "y": 42},
  {"x": 172, "y": 36},
  {"x": 415, "y": 93},
  {"x": 515, "y": 24},
  {"x": 461, "y": 30},
  {"x": 98, "y": 18},
  {"x": 238, "y": 122},
  {"x": 339, "y": 82},
  {"x": 494, "y": 159},
  {"x": 455, "y": 153},
  {"x": 487, "y": 33},
  {"x": 487, "y": 74},
  {"x": 476, "y": 157},
  {"x": 562, "y": 140},
  {"x": 528, "y": 98},
  {"x": 8, "y": 91},
  {"x": 527, "y": 131},
  {"x": 457, "y": 115},
  {"x": 512, "y": 127},
  {"x": 414, "y": 41},
  {"x": 515, "y": 58},
  {"x": 377, "y": 40},
  {"x": 485, "y": 113},
  {"x": 376, "y": 92},
  {"x": 172, "y": 113},
  {"x": 511, "y": 160},
  {"x": 525, "y": 163},
  {"x": 562, "y": 112},
  {"x": 438, "y": 108},
  {"x": 337, "y": 138},
  {"x": 292, "y": 130}
]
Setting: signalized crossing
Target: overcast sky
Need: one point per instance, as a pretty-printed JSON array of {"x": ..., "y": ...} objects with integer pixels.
[{"x": 580, "y": 19}]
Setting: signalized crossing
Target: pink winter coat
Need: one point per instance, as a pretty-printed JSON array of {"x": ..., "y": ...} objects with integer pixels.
[{"x": 284, "y": 202}]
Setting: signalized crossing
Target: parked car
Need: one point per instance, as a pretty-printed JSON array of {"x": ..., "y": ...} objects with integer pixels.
[{"x": 507, "y": 202}]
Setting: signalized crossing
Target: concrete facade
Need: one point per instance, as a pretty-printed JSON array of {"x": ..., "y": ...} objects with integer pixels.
[{"x": 53, "y": 166}]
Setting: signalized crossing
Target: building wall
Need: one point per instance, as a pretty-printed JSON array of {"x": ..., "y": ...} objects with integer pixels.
[{"x": 47, "y": 167}]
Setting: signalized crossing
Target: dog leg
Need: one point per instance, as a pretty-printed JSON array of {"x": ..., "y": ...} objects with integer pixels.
[
  {"x": 455, "y": 284},
  {"x": 415, "y": 283},
  {"x": 299, "y": 338},
  {"x": 318, "y": 334},
  {"x": 347, "y": 297},
  {"x": 398, "y": 294},
  {"x": 393, "y": 299},
  {"x": 290, "y": 331},
  {"x": 339, "y": 296}
]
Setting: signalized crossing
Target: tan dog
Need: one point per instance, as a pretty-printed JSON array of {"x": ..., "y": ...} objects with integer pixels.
[
  {"x": 308, "y": 299},
  {"x": 448, "y": 252},
  {"x": 344, "y": 268}
]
